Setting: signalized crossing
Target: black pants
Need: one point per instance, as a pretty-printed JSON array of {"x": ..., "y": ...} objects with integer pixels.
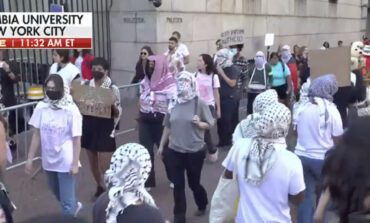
[
  {"x": 150, "y": 134},
  {"x": 225, "y": 125},
  {"x": 251, "y": 98},
  {"x": 192, "y": 163},
  {"x": 207, "y": 135}
]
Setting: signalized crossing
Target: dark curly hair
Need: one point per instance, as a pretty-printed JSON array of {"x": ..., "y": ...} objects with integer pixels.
[{"x": 346, "y": 169}]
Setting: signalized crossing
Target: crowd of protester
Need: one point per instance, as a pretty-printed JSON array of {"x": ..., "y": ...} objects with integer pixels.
[{"x": 263, "y": 179}]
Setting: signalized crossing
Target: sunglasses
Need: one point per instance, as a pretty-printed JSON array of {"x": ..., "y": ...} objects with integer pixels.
[{"x": 143, "y": 53}]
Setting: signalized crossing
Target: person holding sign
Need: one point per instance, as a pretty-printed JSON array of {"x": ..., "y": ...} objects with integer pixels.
[
  {"x": 97, "y": 136},
  {"x": 258, "y": 79},
  {"x": 280, "y": 77},
  {"x": 58, "y": 126}
]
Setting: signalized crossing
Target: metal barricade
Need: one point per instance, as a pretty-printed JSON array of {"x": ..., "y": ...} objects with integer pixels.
[
  {"x": 127, "y": 126},
  {"x": 20, "y": 134}
]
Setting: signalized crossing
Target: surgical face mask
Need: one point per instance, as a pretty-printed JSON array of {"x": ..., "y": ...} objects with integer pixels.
[
  {"x": 259, "y": 62},
  {"x": 233, "y": 51},
  {"x": 285, "y": 54}
]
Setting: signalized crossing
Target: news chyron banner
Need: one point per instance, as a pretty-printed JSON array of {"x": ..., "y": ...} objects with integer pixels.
[{"x": 46, "y": 30}]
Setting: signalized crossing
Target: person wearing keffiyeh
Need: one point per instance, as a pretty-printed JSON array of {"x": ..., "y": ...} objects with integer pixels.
[
  {"x": 157, "y": 92},
  {"x": 245, "y": 129},
  {"x": 268, "y": 175},
  {"x": 58, "y": 129},
  {"x": 126, "y": 199},
  {"x": 184, "y": 128},
  {"x": 319, "y": 127},
  {"x": 98, "y": 136}
]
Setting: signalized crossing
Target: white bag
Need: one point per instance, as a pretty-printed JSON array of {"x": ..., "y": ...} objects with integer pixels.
[{"x": 224, "y": 200}]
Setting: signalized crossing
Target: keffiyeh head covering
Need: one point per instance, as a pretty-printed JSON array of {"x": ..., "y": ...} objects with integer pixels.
[
  {"x": 321, "y": 93},
  {"x": 262, "y": 101},
  {"x": 286, "y": 54},
  {"x": 186, "y": 87},
  {"x": 224, "y": 58},
  {"x": 323, "y": 87},
  {"x": 129, "y": 169},
  {"x": 271, "y": 126},
  {"x": 260, "y": 60}
]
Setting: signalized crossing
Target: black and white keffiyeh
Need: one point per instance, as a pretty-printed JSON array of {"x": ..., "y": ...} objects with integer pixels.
[
  {"x": 271, "y": 126},
  {"x": 63, "y": 103},
  {"x": 129, "y": 169},
  {"x": 262, "y": 101}
]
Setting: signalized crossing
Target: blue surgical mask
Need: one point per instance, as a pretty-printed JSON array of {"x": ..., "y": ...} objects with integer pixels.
[{"x": 233, "y": 51}]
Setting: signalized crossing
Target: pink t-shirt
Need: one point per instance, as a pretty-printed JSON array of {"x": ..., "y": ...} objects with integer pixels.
[{"x": 205, "y": 88}]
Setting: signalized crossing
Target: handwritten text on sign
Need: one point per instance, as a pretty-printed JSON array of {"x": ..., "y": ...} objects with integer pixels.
[
  {"x": 92, "y": 101},
  {"x": 232, "y": 37}
]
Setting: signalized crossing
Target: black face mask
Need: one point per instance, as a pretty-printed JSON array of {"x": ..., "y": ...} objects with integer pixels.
[
  {"x": 97, "y": 75},
  {"x": 54, "y": 95}
]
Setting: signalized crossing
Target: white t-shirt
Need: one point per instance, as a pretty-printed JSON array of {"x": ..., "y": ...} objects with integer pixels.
[
  {"x": 68, "y": 73},
  {"x": 204, "y": 82},
  {"x": 57, "y": 129},
  {"x": 310, "y": 144},
  {"x": 180, "y": 54},
  {"x": 78, "y": 62},
  {"x": 268, "y": 202}
]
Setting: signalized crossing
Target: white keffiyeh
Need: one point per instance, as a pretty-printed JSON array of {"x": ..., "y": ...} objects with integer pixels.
[
  {"x": 63, "y": 103},
  {"x": 271, "y": 126},
  {"x": 129, "y": 169}
]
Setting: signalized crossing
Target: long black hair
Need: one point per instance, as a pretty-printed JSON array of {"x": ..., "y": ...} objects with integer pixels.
[
  {"x": 139, "y": 71},
  {"x": 276, "y": 54},
  {"x": 346, "y": 169},
  {"x": 208, "y": 61}
]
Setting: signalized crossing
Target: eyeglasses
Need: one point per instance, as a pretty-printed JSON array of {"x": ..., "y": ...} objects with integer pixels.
[{"x": 143, "y": 53}]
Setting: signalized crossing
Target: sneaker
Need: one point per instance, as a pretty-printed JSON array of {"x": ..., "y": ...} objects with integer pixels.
[
  {"x": 172, "y": 186},
  {"x": 78, "y": 209},
  {"x": 99, "y": 191}
]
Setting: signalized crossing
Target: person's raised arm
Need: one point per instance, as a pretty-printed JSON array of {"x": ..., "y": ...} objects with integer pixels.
[{"x": 221, "y": 73}]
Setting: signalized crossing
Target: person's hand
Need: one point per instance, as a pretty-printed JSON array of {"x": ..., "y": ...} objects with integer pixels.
[
  {"x": 29, "y": 167},
  {"x": 218, "y": 112},
  {"x": 213, "y": 157},
  {"x": 196, "y": 120},
  {"x": 74, "y": 169},
  {"x": 219, "y": 69},
  {"x": 160, "y": 151},
  {"x": 318, "y": 217}
]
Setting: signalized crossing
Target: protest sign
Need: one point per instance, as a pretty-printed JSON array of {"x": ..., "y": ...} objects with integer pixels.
[
  {"x": 232, "y": 37},
  {"x": 93, "y": 101},
  {"x": 269, "y": 39},
  {"x": 335, "y": 61}
]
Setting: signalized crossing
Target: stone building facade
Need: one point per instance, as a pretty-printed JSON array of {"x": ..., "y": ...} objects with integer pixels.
[{"x": 135, "y": 23}]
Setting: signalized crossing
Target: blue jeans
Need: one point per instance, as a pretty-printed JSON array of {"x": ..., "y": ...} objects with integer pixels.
[
  {"x": 63, "y": 186},
  {"x": 312, "y": 177}
]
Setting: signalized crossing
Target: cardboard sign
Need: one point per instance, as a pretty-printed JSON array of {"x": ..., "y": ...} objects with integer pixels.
[
  {"x": 93, "y": 101},
  {"x": 335, "y": 61},
  {"x": 269, "y": 39},
  {"x": 232, "y": 37}
]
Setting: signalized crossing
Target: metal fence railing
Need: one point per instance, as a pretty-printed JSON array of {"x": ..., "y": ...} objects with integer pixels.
[{"x": 23, "y": 134}]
